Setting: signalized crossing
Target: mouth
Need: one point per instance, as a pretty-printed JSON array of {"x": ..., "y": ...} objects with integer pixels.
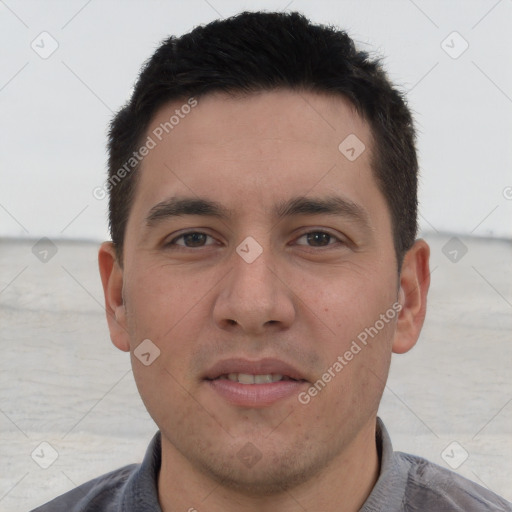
[
  {"x": 261, "y": 383},
  {"x": 247, "y": 378}
]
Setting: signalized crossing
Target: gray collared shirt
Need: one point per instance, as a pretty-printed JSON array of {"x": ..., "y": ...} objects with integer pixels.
[{"x": 406, "y": 483}]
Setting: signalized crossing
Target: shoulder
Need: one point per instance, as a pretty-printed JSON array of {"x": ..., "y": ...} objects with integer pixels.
[
  {"x": 100, "y": 494},
  {"x": 432, "y": 487}
]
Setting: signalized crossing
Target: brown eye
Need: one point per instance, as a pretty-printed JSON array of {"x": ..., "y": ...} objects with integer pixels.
[
  {"x": 318, "y": 239},
  {"x": 190, "y": 240}
]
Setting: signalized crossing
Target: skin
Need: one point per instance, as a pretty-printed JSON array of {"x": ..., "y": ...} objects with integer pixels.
[{"x": 300, "y": 301}]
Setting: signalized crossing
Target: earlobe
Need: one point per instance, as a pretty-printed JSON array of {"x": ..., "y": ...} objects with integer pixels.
[
  {"x": 412, "y": 295},
  {"x": 112, "y": 282}
]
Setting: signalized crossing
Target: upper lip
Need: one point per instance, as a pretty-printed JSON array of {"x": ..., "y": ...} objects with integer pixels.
[{"x": 259, "y": 367}]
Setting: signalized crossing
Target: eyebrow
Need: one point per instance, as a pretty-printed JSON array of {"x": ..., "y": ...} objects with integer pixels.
[
  {"x": 331, "y": 205},
  {"x": 179, "y": 206}
]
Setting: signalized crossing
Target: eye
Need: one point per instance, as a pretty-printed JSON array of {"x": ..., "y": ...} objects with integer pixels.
[
  {"x": 191, "y": 239},
  {"x": 318, "y": 239},
  {"x": 194, "y": 239}
]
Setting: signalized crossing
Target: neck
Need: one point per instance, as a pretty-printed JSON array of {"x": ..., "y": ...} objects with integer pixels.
[{"x": 342, "y": 486}]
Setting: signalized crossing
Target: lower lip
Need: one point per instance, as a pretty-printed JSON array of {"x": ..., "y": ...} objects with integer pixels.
[{"x": 256, "y": 395}]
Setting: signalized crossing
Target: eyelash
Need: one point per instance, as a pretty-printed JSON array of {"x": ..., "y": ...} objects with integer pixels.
[{"x": 172, "y": 243}]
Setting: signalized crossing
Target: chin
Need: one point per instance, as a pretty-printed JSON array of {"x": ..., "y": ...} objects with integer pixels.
[{"x": 272, "y": 474}]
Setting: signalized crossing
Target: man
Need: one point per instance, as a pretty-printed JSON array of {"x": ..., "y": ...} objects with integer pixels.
[{"x": 263, "y": 267}]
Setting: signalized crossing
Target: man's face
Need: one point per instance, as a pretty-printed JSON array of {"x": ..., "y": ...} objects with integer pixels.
[{"x": 322, "y": 278}]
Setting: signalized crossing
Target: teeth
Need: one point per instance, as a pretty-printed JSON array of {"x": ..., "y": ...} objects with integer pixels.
[
  {"x": 245, "y": 378},
  {"x": 262, "y": 379}
]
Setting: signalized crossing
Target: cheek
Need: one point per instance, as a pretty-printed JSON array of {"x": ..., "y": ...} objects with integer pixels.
[
  {"x": 167, "y": 396},
  {"x": 354, "y": 311},
  {"x": 354, "y": 375},
  {"x": 170, "y": 308},
  {"x": 161, "y": 299},
  {"x": 348, "y": 300}
]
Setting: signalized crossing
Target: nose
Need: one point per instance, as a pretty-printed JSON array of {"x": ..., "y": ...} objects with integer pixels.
[{"x": 255, "y": 296}]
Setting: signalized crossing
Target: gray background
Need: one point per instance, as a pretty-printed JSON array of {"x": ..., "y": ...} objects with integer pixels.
[{"x": 63, "y": 383}]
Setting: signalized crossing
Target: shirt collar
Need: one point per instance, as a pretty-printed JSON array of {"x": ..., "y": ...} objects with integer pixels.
[
  {"x": 388, "y": 493},
  {"x": 141, "y": 492}
]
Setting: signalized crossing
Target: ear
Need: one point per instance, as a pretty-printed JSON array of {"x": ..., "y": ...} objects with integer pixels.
[
  {"x": 414, "y": 285},
  {"x": 112, "y": 281}
]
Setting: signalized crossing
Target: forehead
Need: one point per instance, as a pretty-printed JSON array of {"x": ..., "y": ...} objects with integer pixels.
[
  {"x": 252, "y": 151},
  {"x": 256, "y": 126}
]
